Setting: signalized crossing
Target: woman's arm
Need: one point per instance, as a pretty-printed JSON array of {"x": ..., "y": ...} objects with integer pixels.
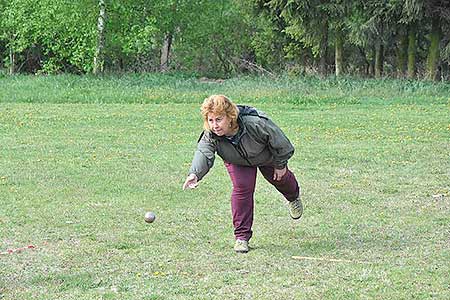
[{"x": 203, "y": 160}]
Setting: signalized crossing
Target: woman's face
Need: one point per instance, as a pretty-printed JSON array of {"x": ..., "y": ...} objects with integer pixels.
[{"x": 219, "y": 124}]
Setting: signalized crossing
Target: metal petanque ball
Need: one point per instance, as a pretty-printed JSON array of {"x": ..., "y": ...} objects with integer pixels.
[{"x": 149, "y": 217}]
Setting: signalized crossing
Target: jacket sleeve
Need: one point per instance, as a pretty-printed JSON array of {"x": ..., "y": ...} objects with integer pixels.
[
  {"x": 204, "y": 156},
  {"x": 279, "y": 145}
]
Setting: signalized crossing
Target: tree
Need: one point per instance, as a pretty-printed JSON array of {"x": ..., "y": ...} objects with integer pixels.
[
  {"x": 67, "y": 34},
  {"x": 412, "y": 16},
  {"x": 271, "y": 45},
  {"x": 170, "y": 19},
  {"x": 438, "y": 12},
  {"x": 412, "y": 50},
  {"x": 307, "y": 23},
  {"x": 339, "y": 55},
  {"x": 402, "y": 52},
  {"x": 99, "y": 55},
  {"x": 131, "y": 43},
  {"x": 339, "y": 12},
  {"x": 16, "y": 22},
  {"x": 434, "y": 14},
  {"x": 315, "y": 24},
  {"x": 49, "y": 36},
  {"x": 434, "y": 51},
  {"x": 217, "y": 39}
]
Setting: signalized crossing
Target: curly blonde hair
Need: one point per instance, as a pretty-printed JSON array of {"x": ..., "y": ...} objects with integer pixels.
[{"x": 219, "y": 105}]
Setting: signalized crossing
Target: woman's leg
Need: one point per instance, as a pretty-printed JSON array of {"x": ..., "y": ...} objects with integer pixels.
[
  {"x": 288, "y": 185},
  {"x": 244, "y": 180}
]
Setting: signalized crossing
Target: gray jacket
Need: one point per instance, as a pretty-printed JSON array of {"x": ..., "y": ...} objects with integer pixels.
[{"x": 259, "y": 142}]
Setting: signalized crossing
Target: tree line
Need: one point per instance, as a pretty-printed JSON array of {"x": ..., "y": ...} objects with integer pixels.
[{"x": 373, "y": 38}]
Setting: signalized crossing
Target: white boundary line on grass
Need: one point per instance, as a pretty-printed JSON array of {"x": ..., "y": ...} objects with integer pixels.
[{"x": 329, "y": 259}]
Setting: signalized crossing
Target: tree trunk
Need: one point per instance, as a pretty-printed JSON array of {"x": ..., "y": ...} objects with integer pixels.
[
  {"x": 433, "y": 51},
  {"x": 402, "y": 54},
  {"x": 99, "y": 59},
  {"x": 165, "y": 52},
  {"x": 339, "y": 49},
  {"x": 323, "y": 52},
  {"x": 12, "y": 61},
  {"x": 225, "y": 65},
  {"x": 412, "y": 50},
  {"x": 363, "y": 54},
  {"x": 372, "y": 62},
  {"x": 379, "y": 58}
]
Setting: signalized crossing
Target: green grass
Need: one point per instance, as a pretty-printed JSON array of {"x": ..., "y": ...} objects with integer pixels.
[
  {"x": 176, "y": 88},
  {"x": 79, "y": 170}
]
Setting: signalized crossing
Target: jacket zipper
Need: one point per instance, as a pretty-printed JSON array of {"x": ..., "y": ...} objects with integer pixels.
[{"x": 241, "y": 151}]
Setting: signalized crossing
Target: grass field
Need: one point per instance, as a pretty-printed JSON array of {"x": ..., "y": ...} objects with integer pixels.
[{"x": 82, "y": 159}]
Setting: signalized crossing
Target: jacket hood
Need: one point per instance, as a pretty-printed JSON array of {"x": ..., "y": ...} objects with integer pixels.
[{"x": 247, "y": 110}]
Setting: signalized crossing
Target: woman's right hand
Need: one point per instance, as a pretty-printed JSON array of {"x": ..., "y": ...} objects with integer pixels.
[{"x": 191, "y": 182}]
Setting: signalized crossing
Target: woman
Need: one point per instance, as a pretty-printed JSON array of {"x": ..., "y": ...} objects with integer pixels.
[{"x": 247, "y": 140}]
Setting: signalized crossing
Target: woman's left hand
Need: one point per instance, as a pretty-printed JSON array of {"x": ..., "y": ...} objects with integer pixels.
[{"x": 279, "y": 173}]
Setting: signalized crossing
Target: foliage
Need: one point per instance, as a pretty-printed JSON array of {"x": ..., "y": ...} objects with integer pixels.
[
  {"x": 219, "y": 38},
  {"x": 15, "y": 25},
  {"x": 216, "y": 42},
  {"x": 55, "y": 34}
]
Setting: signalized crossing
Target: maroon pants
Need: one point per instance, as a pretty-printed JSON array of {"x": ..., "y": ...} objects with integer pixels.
[{"x": 244, "y": 181}]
